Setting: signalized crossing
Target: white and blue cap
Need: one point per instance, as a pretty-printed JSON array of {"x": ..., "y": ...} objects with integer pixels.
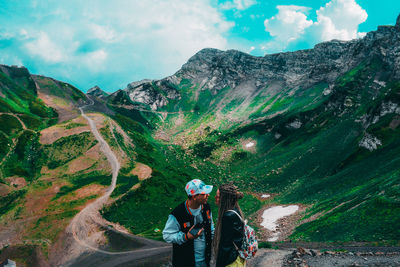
[{"x": 196, "y": 187}]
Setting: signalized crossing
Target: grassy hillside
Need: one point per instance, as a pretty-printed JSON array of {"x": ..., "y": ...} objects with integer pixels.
[
  {"x": 22, "y": 115},
  {"x": 335, "y": 150},
  {"x": 48, "y": 171}
]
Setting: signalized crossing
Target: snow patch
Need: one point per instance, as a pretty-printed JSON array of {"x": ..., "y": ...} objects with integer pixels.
[
  {"x": 328, "y": 90},
  {"x": 389, "y": 108},
  {"x": 375, "y": 119},
  {"x": 295, "y": 124},
  {"x": 249, "y": 144},
  {"x": 370, "y": 142},
  {"x": 381, "y": 83},
  {"x": 272, "y": 215}
]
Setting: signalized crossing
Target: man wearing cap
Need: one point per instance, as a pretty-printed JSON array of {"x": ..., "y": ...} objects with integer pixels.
[{"x": 190, "y": 228}]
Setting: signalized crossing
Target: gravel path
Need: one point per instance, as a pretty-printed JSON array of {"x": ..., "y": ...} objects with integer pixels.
[
  {"x": 88, "y": 218},
  {"x": 84, "y": 228},
  {"x": 269, "y": 257}
]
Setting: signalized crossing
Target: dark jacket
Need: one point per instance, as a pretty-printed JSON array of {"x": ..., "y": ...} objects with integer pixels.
[
  {"x": 231, "y": 232},
  {"x": 183, "y": 255}
]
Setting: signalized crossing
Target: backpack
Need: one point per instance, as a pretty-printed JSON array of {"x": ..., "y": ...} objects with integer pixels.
[{"x": 250, "y": 244}]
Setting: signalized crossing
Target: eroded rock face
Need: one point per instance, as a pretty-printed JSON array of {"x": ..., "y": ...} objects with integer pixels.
[
  {"x": 147, "y": 94},
  {"x": 214, "y": 70}
]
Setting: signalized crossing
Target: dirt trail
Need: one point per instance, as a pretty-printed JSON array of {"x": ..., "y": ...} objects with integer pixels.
[
  {"x": 87, "y": 220},
  {"x": 269, "y": 257},
  {"x": 85, "y": 226},
  {"x": 16, "y": 116}
]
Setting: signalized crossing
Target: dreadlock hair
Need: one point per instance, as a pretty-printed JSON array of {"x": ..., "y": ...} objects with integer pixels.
[{"x": 229, "y": 196}]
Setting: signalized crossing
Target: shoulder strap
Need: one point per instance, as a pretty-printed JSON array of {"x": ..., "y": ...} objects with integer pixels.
[
  {"x": 236, "y": 214},
  {"x": 236, "y": 247}
]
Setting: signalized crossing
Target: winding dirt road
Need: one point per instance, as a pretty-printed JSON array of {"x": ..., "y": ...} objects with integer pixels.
[
  {"x": 84, "y": 227},
  {"x": 89, "y": 216}
]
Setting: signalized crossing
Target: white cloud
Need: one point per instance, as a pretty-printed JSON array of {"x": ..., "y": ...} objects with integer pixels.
[
  {"x": 45, "y": 48},
  {"x": 95, "y": 60},
  {"x": 114, "y": 41},
  {"x": 288, "y": 25},
  {"x": 238, "y": 4},
  {"x": 103, "y": 33},
  {"x": 24, "y": 34},
  {"x": 338, "y": 19}
]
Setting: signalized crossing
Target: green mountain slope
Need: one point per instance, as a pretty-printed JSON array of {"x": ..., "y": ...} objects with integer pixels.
[{"x": 323, "y": 126}]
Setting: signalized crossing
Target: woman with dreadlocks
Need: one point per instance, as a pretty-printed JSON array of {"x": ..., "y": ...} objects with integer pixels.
[{"x": 228, "y": 235}]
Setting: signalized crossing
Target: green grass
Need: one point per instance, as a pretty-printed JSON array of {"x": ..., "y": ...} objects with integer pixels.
[
  {"x": 38, "y": 107},
  {"x": 31, "y": 121},
  {"x": 10, "y": 201},
  {"x": 68, "y": 148},
  {"x": 9, "y": 124},
  {"x": 26, "y": 158},
  {"x": 124, "y": 184},
  {"x": 69, "y": 205},
  {"x": 60, "y": 89},
  {"x": 5, "y": 144},
  {"x": 45, "y": 227},
  {"x": 187, "y": 95},
  {"x": 16, "y": 96},
  {"x": 72, "y": 125},
  {"x": 80, "y": 180}
]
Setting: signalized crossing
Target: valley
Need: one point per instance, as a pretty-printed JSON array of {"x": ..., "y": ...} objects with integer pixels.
[{"x": 89, "y": 179}]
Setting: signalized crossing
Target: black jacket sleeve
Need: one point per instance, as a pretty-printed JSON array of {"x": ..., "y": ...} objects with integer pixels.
[{"x": 231, "y": 232}]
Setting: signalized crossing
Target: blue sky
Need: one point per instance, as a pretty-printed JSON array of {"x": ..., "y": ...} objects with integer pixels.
[{"x": 111, "y": 43}]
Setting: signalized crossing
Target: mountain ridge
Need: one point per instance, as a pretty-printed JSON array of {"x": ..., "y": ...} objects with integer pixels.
[{"x": 212, "y": 69}]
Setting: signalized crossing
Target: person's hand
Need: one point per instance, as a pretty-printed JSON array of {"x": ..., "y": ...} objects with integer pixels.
[{"x": 191, "y": 237}]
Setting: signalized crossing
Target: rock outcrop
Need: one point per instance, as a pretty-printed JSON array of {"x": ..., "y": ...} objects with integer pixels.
[
  {"x": 97, "y": 92},
  {"x": 20, "y": 75}
]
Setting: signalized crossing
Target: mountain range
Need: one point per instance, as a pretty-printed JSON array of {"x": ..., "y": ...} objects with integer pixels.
[{"x": 318, "y": 128}]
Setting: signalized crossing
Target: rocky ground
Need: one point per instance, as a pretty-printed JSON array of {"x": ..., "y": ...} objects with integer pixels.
[
  {"x": 341, "y": 257},
  {"x": 352, "y": 257}
]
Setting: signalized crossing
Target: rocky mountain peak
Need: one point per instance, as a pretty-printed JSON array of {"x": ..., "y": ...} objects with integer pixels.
[
  {"x": 96, "y": 91},
  {"x": 214, "y": 70},
  {"x": 138, "y": 83}
]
